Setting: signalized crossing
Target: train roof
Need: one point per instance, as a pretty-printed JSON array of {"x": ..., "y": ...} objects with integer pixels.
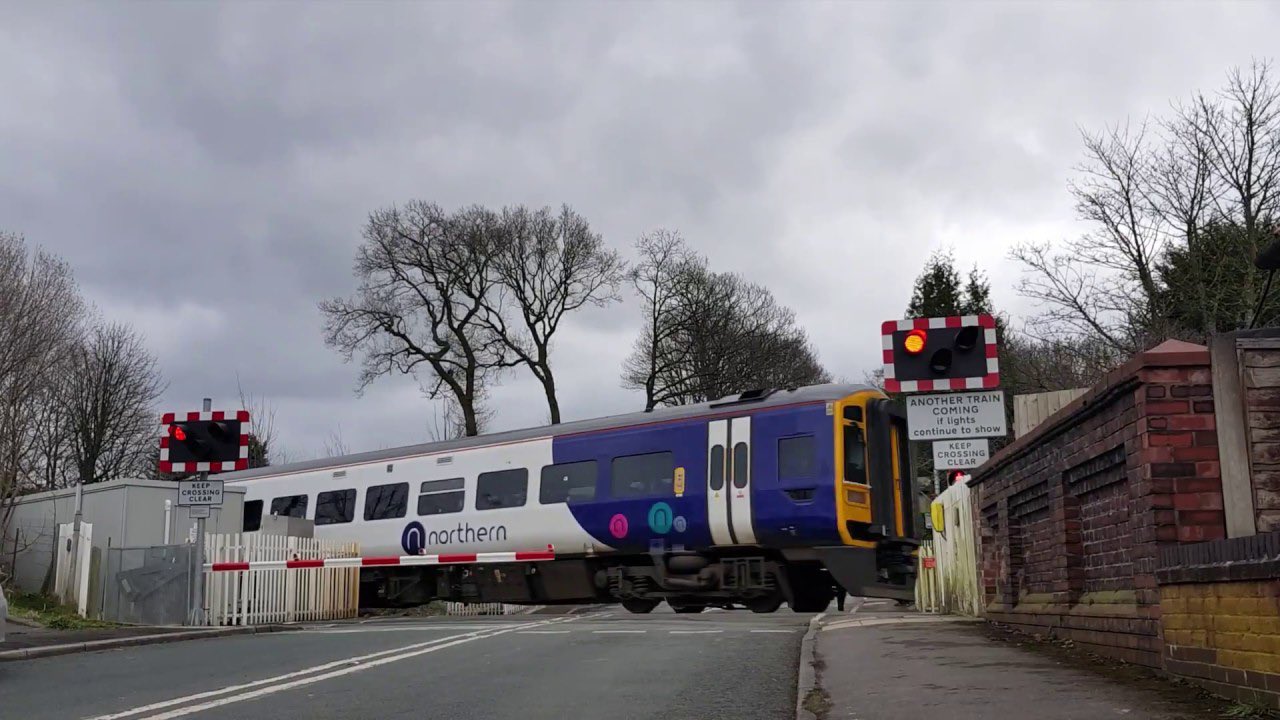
[{"x": 752, "y": 400}]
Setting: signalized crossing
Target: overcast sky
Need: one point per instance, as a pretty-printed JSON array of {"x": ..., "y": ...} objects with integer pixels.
[{"x": 206, "y": 168}]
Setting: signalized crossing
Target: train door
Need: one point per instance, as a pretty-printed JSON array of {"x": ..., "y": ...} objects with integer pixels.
[{"x": 729, "y": 481}]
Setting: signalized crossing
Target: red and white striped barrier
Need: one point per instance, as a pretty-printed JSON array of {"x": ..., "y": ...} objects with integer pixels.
[{"x": 443, "y": 559}]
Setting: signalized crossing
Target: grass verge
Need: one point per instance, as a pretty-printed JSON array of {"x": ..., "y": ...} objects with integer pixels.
[
  {"x": 50, "y": 613},
  {"x": 817, "y": 702}
]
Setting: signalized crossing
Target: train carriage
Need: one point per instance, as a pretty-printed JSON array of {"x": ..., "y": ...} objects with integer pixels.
[{"x": 757, "y": 499}]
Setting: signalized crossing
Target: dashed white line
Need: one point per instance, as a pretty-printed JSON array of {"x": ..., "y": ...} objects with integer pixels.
[
  {"x": 774, "y": 631},
  {"x": 543, "y": 632},
  {"x": 695, "y": 632},
  {"x": 618, "y": 632}
]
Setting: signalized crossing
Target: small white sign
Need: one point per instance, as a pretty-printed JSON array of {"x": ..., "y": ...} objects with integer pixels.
[
  {"x": 960, "y": 454},
  {"x": 945, "y": 416},
  {"x": 200, "y": 511},
  {"x": 199, "y": 492}
]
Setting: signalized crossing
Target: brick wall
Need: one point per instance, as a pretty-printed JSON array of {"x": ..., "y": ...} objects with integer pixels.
[
  {"x": 1220, "y": 612},
  {"x": 1073, "y": 513}
]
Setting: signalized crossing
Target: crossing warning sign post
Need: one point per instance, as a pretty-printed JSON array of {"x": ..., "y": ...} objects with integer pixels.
[
  {"x": 956, "y": 361},
  {"x": 960, "y": 454},
  {"x": 203, "y": 442},
  {"x": 199, "y": 492},
  {"x": 944, "y": 416}
]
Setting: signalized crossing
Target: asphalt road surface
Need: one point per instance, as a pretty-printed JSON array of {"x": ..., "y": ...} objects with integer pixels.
[{"x": 604, "y": 664}]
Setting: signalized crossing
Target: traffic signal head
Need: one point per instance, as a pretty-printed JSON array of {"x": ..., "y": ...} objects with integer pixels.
[
  {"x": 952, "y": 353},
  {"x": 914, "y": 342},
  {"x": 204, "y": 442}
]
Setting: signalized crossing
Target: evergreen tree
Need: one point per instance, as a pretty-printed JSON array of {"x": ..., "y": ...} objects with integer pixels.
[{"x": 941, "y": 291}]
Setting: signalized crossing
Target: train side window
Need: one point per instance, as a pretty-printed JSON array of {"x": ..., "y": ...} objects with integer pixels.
[
  {"x": 796, "y": 457},
  {"x": 643, "y": 475},
  {"x": 568, "y": 483},
  {"x": 382, "y": 502},
  {"x": 502, "y": 489},
  {"x": 335, "y": 506},
  {"x": 290, "y": 506},
  {"x": 855, "y": 454},
  {"x": 440, "y": 497},
  {"x": 741, "y": 465},
  {"x": 717, "y": 467},
  {"x": 253, "y": 516}
]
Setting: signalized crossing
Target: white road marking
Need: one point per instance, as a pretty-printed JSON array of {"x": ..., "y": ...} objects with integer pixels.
[
  {"x": 694, "y": 632},
  {"x": 775, "y": 631},
  {"x": 406, "y": 628},
  {"x": 543, "y": 632},
  {"x": 618, "y": 632},
  {"x": 353, "y": 664}
]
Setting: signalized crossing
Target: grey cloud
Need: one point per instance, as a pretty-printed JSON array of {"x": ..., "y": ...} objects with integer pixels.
[{"x": 231, "y": 153}]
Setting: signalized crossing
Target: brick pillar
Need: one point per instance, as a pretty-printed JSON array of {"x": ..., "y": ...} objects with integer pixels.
[{"x": 1179, "y": 457}]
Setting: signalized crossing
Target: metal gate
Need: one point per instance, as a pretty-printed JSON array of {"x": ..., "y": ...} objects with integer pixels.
[{"x": 148, "y": 585}]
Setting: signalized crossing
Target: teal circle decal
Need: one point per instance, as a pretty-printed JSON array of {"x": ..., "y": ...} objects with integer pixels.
[{"x": 660, "y": 518}]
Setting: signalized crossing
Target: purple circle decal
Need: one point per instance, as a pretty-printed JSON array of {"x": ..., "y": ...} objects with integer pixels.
[{"x": 618, "y": 526}]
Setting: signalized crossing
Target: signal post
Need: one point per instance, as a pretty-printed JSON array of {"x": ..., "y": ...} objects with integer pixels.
[
  {"x": 203, "y": 442},
  {"x": 956, "y": 360}
]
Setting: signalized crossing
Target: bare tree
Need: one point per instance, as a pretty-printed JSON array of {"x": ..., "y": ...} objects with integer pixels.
[
  {"x": 108, "y": 397},
  {"x": 51, "y": 464},
  {"x": 447, "y": 422},
  {"x": 547, "y": 265},
  {"x": 264, "y": 446},
  {"x": 40, "y": 314},
  {"x": 1103, "y": 284},
  {"x": 1177, "y": 216},
  {"x": 1240, "y": 129},
  {"x": 421, "y": 306},
  {"x": 707, "y": 335},
  {"x": 665, "y": 262},
  {"x": 335, "y": 445}
]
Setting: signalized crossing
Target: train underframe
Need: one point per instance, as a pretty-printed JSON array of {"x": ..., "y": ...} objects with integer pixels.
[{"x": 806, "y": 579}]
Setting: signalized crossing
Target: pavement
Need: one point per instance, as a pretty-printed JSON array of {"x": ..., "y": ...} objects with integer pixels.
[
  {"x": 23, "y": 636},
  {"x": 604, "y": 664},
  {"x": 883, "y": 664}
]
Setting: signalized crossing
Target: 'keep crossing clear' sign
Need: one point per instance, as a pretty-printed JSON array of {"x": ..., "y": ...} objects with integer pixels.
[
  {"x": 199, "y": 492},
  {"x": 960, "y": 454}
]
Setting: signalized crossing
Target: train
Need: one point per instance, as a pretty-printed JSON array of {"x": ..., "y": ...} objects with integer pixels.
[{"x": 766, "y": 497}]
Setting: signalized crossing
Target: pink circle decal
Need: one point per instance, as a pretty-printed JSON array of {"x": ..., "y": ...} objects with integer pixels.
[{"x": 618, "y": 526}]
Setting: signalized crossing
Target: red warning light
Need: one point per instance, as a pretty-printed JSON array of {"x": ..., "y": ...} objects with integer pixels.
[
  {"x": 914, "y": 342},
  {"x": 177, "y": 433}
]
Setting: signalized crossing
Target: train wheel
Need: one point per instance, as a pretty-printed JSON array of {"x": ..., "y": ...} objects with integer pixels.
[
  {"x": 682, "y": 608},
  {"x": 639, "y": 606},
  {"x": 765, "y": 604}
]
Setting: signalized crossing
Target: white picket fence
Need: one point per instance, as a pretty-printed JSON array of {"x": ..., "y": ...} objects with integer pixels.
[
  {"x": 256, "y": 597},
  {"x": 468, "y": 609}
]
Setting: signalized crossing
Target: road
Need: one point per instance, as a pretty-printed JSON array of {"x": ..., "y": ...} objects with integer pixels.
[{"x": 603, "y": 664}]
